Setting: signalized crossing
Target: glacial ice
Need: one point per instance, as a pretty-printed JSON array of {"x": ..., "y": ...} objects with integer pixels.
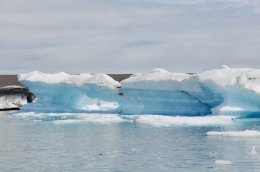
[
  {"x": 61, "y": 92},
  {"x": 239, "y": 88},
  {"x": 227, "y": 91},
  {"x": 13, "y": 97},
  {"x": 98, "y": 79},
  {"x": 165, "y": 93},
  {"x": 154, "y": 92},
  {"x": 12, "y": 101}
]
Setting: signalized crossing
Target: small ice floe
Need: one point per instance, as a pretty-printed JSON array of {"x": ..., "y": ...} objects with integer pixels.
[
  {"x": 92, "y": 118},
  {"x": 167, "y": 121},
  {"x": 253, "y": 151},
  {"x": 223, "y": 162},
  {"x": 245, "y": 133}
]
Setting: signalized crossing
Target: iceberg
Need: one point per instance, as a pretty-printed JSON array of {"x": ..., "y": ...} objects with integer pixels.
[
  {"x": 239, "y": 88},
  {"x": 154, "y": 92},
  {"x": 224, "y": 91}
]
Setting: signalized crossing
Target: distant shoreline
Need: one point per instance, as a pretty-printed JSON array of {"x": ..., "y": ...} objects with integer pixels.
[{"x": 9, "y": 80}]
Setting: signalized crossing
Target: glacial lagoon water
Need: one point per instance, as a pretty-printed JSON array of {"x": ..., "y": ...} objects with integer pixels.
[{"x": 91, "y": 142}]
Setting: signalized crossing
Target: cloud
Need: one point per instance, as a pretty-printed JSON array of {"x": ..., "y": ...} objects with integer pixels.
[
  {"x": 209, "y": 5},
  {"x": 199, "y": 2},
  {"x": 126, "y": 36}
]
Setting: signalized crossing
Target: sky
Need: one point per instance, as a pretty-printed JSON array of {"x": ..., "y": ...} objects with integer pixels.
[{"x": 128, "y": 36}]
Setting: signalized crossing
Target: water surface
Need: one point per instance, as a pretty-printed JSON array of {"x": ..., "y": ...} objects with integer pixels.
[{"x": 65, "y": 143}]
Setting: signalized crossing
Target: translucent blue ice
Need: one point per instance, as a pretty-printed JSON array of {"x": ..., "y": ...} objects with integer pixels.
[{"x": 225, "y": 91}]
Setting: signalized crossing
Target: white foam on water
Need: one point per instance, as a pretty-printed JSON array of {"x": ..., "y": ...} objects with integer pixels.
[
  {"x": 166, "y": 121},
  {"x": 223, "y": 162},
  {"x": 245, "y": 133}
]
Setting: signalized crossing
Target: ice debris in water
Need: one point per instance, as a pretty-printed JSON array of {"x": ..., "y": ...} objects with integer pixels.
[
  {"x": 245, "y": 133},
  {"x": 166, "y": 121},
  {"x": 153, "y": 120},
  {"x": 223, "y": 162}
]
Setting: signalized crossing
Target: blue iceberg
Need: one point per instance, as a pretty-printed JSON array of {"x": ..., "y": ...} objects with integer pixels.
[
  {"x": 154, "y": 92},
  {"x": 226, "y": 91}
]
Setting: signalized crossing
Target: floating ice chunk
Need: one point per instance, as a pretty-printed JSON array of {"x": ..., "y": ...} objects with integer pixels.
[
  {"x": 234, "y": 91},
  {"x": 93, "y": 118},
  {"x": 70, "y": 118},
  {"x": 245, "y": 133},
  {"x": 166, "y": 121},
  {"x": 223, "y": 162},
  {"x": 154, "y": 120}
]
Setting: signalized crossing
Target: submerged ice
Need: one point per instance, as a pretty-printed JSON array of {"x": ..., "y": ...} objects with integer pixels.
[{"x": 234, "y": 91}]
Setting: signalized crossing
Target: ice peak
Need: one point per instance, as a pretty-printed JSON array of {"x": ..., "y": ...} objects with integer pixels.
[
  {"x": 99, "y": 79},
  {"x": 158, "y": 70},
  {"x": 225, "y": 67},
  {"x": 102, "y": 79}
]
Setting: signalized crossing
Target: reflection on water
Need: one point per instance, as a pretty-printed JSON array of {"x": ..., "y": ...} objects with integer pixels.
[{"x": 46, "y": 144}]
